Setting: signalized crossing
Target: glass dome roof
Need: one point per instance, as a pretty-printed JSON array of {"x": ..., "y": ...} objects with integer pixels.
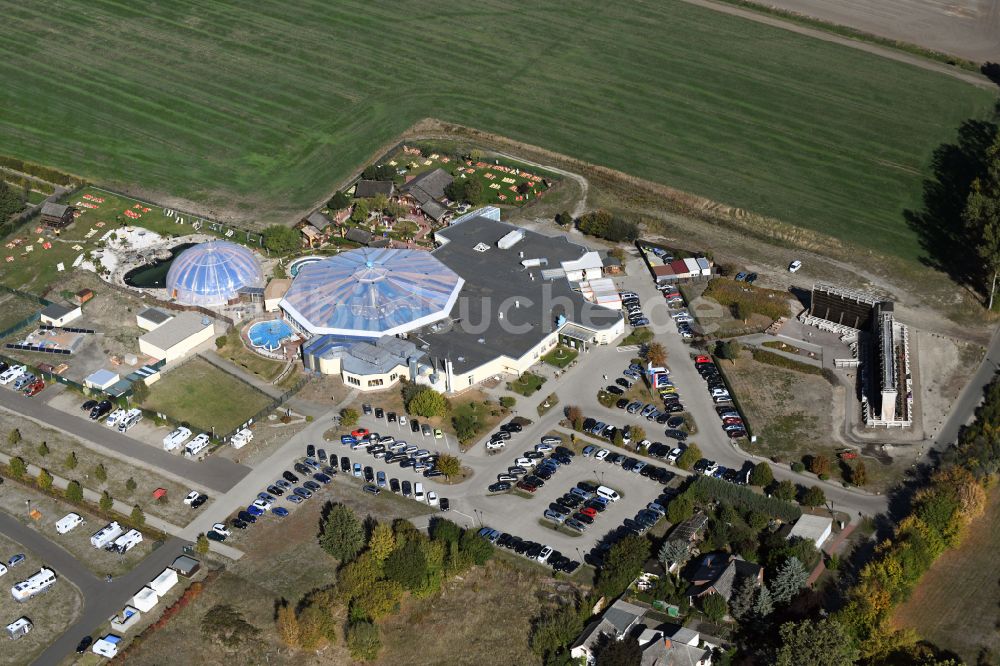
[
  {"x": 372, "y": 292},
  {"x": 212, "y": 273}
]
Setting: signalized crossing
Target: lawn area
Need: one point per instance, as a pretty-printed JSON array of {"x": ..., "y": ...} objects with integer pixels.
[
  {"x": 204, "y": 396},
  {"x": 243, "y": 108},
  {"x": 14, "y": 308},
  {"x": 526, "y": 384},
  {"x": 265, "y": 368},
  {"x": 478, "y": 415},
  {"x": 561, "y": 356},
  {"x": 955, "y": 604}
]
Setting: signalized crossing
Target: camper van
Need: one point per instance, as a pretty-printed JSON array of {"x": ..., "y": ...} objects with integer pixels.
[
  {"x": 68, "y": 522},
  {"x": 176, "y": 438},
  {"x": 107, "y": 646},
  {"x": 242, "y": 438},
  {"x": 20, "y": 627},
  {"x": 41, "y": 581},
  {"x": 106, "y": 535},
  {"x": 608, "y": 493},
  {"x": 114, "y": 418},
  {"x": 196, "y": 445},
  {"x": 125, "y": 542},
  {"x": 11, "y": 374},
  {"x": 132, "y": 417}
]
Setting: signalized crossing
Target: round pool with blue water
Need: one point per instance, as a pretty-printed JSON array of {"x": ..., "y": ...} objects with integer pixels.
[
  {"x": 269, "y": 335},
  {"x": 296, "y": 265}
]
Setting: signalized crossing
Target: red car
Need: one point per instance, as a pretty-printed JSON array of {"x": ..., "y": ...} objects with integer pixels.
[
  {"x": 526, "y": 486},
  {"x": 702, "y": 359},
  {"x": 360, "y": 433},
  {"x": 732, "y": 420},
  {"x": 34, "y": 388},
  {"x": 736, "y": 434},
  {"x": 587, "y": 511}
]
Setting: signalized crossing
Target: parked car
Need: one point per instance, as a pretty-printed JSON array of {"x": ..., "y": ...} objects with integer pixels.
[{"x": 794, "y": 266}]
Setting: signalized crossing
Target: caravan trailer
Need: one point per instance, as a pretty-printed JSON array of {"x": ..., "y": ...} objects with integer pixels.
[
  {"x": 12, "y": 373},
  {"x": 36, "y": 584},
  {"x": 20, "y": 627},
  {"x": 106, "y": 535},
  {"x": 125, "y": 542},
  {"x": 242, "y": 438},
  {"x": 196, "y": 445},
  {"x": 114, "y": 418},
  {"x": 176, "y": 438},
  {"x": 68, "y": 522}
]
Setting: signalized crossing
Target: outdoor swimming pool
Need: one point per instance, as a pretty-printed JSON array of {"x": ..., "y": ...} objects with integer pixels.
[
  {"x": 269, "y": 334},
  {"x": 154, "y": 275},
  {"x": 293, "y": 268}
]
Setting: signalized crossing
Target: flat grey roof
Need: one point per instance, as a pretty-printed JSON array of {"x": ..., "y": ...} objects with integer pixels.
[
  {"x": 495, "y": 282},
  {"x": 156, "y": 316},
  {"x": 57, "y": 310},
  {"x": 175, "y": 331}
]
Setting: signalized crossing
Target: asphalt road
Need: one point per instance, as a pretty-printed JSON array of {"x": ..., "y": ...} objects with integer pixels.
[
  {"x": 213, "y": 473},
  {"x": 964, "y": 408},
  {"x": 101, "y": 600}
]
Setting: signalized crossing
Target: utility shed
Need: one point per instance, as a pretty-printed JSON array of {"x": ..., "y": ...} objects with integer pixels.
[
  {"x": 812, "y": 528},
  {"x": 101, "y": 380},
  {"x": 58, "y": 314},
  {"x": 177, "y": 337},
  {"x": 186, "y": 566},
  {"x": 145, "y": 599}
]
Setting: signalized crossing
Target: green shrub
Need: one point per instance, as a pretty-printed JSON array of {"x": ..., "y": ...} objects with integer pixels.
[
  {"x": 706, "y": 488},
  {"x": 798, "y": 467}
]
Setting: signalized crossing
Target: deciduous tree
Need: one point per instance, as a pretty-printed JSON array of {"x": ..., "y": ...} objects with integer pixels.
[
  {"x": 281, "y": 239},
  {"x": 14, "y": 436},
  {"x": 106, "y": 502},
  {"x": 689, "y": 456},
  {"x": 428, "y": 403},
  {"x": 18, "y": 468},
  {"x": 363, "y": 640},
  {"x": 381, "y": 542},
  {"x": 287, "y": 625},
  {"x": 43, "y": 449},
  {"x": 982, "y": 219},
  {"x": 348, "y": 417},
  {"x": 44, "y": 479},
  {"x": 74, "y": 491},
  {"x": 656, "y": 354},
  {"x": 449, "y": 465},
  {"x": 815, "y": 643},
  {"x": 813, "y": 496}
]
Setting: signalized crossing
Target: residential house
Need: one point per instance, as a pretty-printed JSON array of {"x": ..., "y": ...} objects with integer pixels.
[
  {"x": 312, "y": 235},
  {"x": 616, "y": 622},
  {"x": 357, "y": 235},
  {"x": 717, "y": 573},
  {"x": 319, "y": 221},
  {"x": 427, "y": 190}
]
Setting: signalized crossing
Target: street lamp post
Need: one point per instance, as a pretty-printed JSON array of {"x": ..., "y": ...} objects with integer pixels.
[{"x": 28, "y": 502}]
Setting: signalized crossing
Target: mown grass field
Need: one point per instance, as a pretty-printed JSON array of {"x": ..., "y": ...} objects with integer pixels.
[{"x": 260, "y": 109}]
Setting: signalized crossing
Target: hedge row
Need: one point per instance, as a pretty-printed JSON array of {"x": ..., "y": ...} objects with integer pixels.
[
  {"x": 17, "y": 180},
  {"x": 768, "y": 302},
  {"x": 39, "y": 171},
  {"x": 706, "y": 488}
]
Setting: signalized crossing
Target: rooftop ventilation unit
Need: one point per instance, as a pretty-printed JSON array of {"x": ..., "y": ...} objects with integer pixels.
[
  {"x": 511, "y": 239},
  {"x": 481, "y": 247}
]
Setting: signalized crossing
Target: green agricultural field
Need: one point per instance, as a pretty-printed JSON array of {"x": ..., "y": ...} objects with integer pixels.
[{"x": 259, "y": 109}]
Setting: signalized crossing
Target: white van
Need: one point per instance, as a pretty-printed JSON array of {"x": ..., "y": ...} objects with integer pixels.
[
  {"x": 176, "y": 438},
  {"x": 132, "y": 417},
  {"x": 418, "y": 491},
  {"x": 126, "y": 542},
  {"x": 608, "y": 493},
  {"x": 68, "y": 522},
  {"x": 11, "y": 374},
  {"x": 242, "y": 438}
]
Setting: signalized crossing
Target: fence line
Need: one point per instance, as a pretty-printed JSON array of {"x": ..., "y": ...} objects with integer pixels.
[
  {"x": 273, "y": 405},
  {"x": 167, "y": 305}
]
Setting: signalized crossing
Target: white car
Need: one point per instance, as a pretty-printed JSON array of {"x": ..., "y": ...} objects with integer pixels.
[
  {"x": 176, "y": 438},
  {"x": 432, "y": 498},
  {"x": 491, "y": 445},
  {"x": 549, "y": 439},
  {"x": 674, "y": 455},
  {"x": 679, "y": 314},
  {"x": 794, "y": 266},
  {"x": 191, "y": 496},
  {"x": 526, "y": 463},
  {"x": 602, "y": 454},
  {"x": 544, "y": 554},
  {"x": 402, "y": 420},
  {"x": 543, "y": 448},
  {"x": 263, "y": 505},
  {"x": 3, "y": 569},
  {"x": 221, "y": 529}
]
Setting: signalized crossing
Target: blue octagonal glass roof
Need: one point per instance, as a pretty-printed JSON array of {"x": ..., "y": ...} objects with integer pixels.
[
  {"x": 372, "y": 292},
  {"x": 212, "y": 273}
]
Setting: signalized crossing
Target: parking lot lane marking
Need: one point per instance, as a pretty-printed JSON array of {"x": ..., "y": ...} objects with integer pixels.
[{"x": 471, "y": 519}]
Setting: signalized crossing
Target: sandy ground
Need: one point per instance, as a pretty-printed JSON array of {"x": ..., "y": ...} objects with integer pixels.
[
  {"x": 945, "y": 366},
  {"x": 966, "y": 28}
]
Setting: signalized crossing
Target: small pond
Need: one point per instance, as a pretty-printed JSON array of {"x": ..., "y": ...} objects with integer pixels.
[{"x": 154, "y": 275}]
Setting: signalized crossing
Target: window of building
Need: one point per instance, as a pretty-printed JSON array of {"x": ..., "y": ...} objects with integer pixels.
[
  {"x": 374, "y": 382},
  {"x": 353, "y": 380}
]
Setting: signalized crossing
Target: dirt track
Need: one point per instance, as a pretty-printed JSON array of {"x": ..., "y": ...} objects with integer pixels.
[
  {"x": 938, "y": 30},
  {"x": 966, "y": 28}
]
